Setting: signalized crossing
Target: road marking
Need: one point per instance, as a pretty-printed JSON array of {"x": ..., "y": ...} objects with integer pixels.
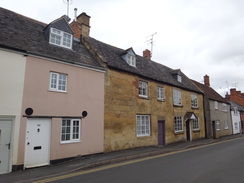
[{"x": 128, "y": 162}]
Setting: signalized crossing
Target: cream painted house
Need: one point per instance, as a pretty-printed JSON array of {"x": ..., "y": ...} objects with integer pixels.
[{"x": 52, "y": 94}]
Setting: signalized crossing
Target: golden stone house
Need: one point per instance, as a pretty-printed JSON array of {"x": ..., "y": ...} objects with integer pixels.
[{"x": 146, "y": 103}]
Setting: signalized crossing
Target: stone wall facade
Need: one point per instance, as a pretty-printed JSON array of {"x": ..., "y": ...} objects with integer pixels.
[{"x": 123, "y": 104}]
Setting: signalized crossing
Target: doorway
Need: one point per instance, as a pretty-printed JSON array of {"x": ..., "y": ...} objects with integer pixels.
[
  {"x": 161, "y": 133},
  {"x": 37, "y": 142},
  {"x": 214, "y": 129},
  {"x": 5, "y": 145},
  {"x": 188, "y": 131}
]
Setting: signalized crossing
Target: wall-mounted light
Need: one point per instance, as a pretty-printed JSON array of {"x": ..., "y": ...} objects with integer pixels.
[
  {"x": 84, "y": 114},
  {"x": 28, "y": 111}
]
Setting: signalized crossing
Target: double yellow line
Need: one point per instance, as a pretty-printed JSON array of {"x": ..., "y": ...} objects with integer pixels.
[{"x": 125, "y": 163}]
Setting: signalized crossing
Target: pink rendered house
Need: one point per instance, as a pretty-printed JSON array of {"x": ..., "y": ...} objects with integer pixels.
[{"x": 52, "y": 106}]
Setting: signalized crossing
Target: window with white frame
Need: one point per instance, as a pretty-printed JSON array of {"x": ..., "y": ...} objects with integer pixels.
[
  {"x": 195, "y": 124},
  {"x": 236, "y": 126},
  {"x": 179, "y": 78},
  {"x": 58, "y": 82},
  {"x": 235, "y": 111},
  {"x": 194, "y": 101},
  {"x": 226, "y": 125},
  {"x": 60, "y": 38},
  {"x": 143, "y": 89},
  {"x": 143, "y": 125},
  {"x": 216, "y": 105},
  {"x": 177, "y": 97},
  {"x": 160, "y": 92},
  {"x": 217, "y": 125},
  {"x": 224, "y": 107},
  {"x": 70, "y": 130},
  {"x": 131, "y": 60},
  {"x": 178, "y": 124}
]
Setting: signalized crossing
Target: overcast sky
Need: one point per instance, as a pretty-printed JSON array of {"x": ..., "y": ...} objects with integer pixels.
[{"x": 197, "y": 36}]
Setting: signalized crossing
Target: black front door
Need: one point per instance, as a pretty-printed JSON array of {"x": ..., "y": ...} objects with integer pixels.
[{"x": 188, "y": 135}]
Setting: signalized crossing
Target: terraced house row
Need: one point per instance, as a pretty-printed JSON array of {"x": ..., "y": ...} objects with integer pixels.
[{"x": 65, "y": 94}]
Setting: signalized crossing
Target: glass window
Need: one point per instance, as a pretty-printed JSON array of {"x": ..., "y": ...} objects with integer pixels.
[
  {"x": 226, "y": 125},
  {"x": 70, "y": 130},
  {"x": 225, "y": 107},
  {"x": 58, "y": 82},
  {"x": 160, "y": 92},
  {"x": 143, "y": 125},
  {"x": 178, "y": 125},
  {"x": 60, "y": 38},
  {"x": 179, "y": 78},
  {"x": 196, "y": 124},
  {"x": 177, "y": 97},
  {"x": 143, "y": 90},
  {"x": 217, "y": 125},
  {"x": 216, "y": 105},
  {"x": 194, "y": 101},
  {"x": 131, "y": 60}
]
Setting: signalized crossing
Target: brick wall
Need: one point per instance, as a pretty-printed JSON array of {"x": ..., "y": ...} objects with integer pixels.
[{"x": 235, "y": 96}]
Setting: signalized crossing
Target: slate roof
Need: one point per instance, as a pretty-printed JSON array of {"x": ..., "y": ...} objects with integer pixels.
[
  {"x": 210, "y": 92},
  {"x": 144, "y": 68},
  {"x": 235, "y": 105},
  {"x": 23, "y": 34}
]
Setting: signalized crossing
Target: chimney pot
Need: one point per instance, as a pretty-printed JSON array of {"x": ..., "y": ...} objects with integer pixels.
[
  {"x": 206, "y": 80},
  {"x": 75, "y": 14}
]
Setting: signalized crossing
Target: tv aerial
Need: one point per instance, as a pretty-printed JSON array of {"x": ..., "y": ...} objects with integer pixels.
[
  {"x": 68, "y": 2},
  {"x": 151, "y": 41}
]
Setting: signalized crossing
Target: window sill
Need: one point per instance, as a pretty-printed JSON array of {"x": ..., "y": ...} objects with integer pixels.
[
  {"x": 179, "y": 132},
  {"x": 144, "y": 97},
  {"x": 161, "y": 100},
  {"x": 57, "y": 91},
  {"x": 69, "y": 142},
  {"x": 195, "y": 131},
  {"x": 178, "y": 105},
  {"x": 139, "y": 136},
  {"x": 196, "y": 108}
]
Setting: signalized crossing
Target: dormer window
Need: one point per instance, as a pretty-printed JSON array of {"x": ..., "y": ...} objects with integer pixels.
[
  {"x": 129, "y": 56},
  {"x": 179, "y": 78},
  {"x": 131, "y": 60},
  {"x": 60, "y": 38},
  {"x": 177, "y": 74}
]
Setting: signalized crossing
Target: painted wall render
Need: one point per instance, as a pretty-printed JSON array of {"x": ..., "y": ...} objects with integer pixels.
[
  {"x": 12, "y": 72},
  {"x": 85, "y": 91}
]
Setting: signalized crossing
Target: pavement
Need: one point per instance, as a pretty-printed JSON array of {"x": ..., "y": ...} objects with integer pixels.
[{"x": 102, "y": 159}]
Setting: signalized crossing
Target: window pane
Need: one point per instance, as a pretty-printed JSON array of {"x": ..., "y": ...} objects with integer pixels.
[{"x": 143, "y": 125}]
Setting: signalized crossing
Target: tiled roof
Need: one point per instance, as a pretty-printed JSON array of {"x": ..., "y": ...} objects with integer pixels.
[
  {"x": 144, "y": 68},
  {"x": 210, "y": 92},
  {"x": 21, "y": 33}
]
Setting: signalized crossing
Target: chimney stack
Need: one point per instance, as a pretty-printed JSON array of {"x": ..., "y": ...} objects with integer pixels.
[
  {"x": 206, "y": 80},
  {"x": 81, "y": 26},
  {"x": 147, "y": 54}
]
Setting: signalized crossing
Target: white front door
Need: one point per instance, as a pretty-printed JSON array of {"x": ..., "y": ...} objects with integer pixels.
[
  {"x": 5, "y": 139},
  {"x": 37, "y": 142}
]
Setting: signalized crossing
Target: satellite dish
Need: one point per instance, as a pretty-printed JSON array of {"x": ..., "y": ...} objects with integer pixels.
[{"x": 84, "y": 114}]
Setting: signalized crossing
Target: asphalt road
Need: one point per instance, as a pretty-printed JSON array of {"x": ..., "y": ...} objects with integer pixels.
[{"x": 221, "y": 162}]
